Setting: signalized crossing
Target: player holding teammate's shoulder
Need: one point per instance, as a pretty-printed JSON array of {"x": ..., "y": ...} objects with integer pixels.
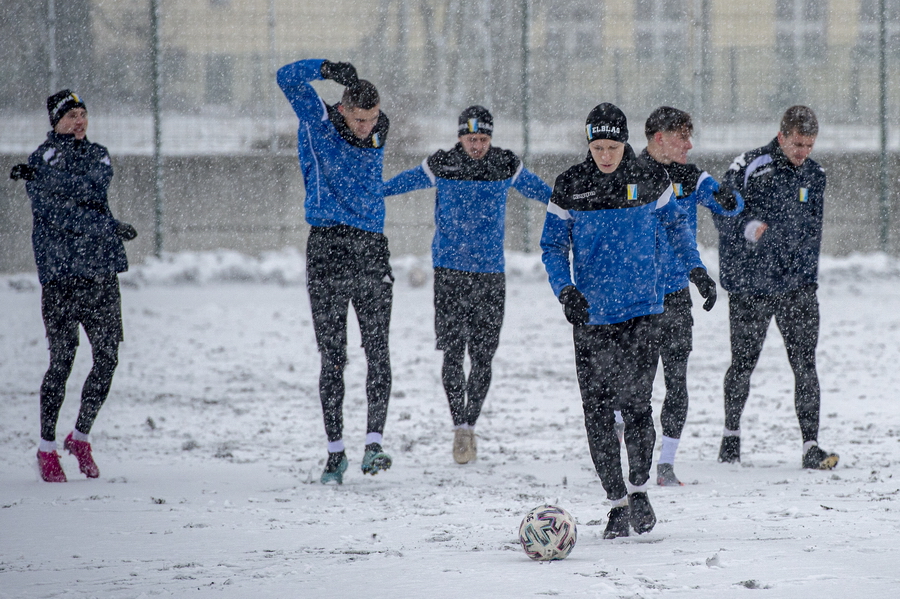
[{"x": 668, "y": 132}]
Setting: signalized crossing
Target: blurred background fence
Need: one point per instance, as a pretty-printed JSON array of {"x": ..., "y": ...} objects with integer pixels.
[{"x": 227, "y": 170}]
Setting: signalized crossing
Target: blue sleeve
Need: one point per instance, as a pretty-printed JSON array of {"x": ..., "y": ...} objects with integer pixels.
[
  {"x": 533, "y": 187},
  {"x": 704, "y": 195},
  {"x": 556, "y": 243},
  {"x": 293, "y": 79},
  {"x": 410, "y": 180},
  {"x": 733, "y": 179},
  {"x": 679, "y": 234},
  {"x": 54, "y": 197}
]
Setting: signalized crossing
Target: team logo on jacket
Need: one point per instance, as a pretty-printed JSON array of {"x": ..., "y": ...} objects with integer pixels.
[
  {"x": 376, "y": 140},
  {"x": 632, "y": 192},
  {"x": 677, "y": 189},
  {"x": 804, "y": 195}
]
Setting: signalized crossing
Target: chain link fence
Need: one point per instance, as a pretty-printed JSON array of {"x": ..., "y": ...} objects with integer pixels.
[{"x": 539, "y": 65}]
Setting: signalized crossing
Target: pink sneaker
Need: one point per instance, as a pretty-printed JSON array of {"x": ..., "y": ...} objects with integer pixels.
[
  {"x": 82, "y": 452},
  {"x": 51, "y": 471}
]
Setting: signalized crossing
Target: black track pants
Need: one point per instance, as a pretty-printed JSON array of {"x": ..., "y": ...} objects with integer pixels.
[
  {"x": 797, "y": 316},
  {"x": 674, "y": 328},
  {"x": 343, "y": 266},
  {"x": 468, "y": 308},
  {"x": 97, "y": 306},
  {"x": 616, "y": 365}
]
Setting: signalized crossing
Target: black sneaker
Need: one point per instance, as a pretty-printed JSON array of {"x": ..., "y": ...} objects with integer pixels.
[
  {"x": 335, "y": 468},
  {"x": 818, "y": 459},
  {"x": 642, "y": 517},
  {"x": 730, "y": 450},
  {"x": 618, "y": 523}
]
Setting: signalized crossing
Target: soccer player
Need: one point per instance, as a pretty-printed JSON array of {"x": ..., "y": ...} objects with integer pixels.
[
  {"x": 668, "y": 132},
  {"x": 607, "y": 211},
  {"x": 769, "y": 263},
  {"x": 341, "y": 150},
  {"x": 473, "y": 180},
  {"x": 79, "y": 252}
]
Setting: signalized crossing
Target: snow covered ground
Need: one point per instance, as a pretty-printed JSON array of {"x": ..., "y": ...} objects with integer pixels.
[{"x": 211, "y": 444}]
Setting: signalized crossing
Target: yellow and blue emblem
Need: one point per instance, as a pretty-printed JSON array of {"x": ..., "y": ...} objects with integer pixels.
[
  {"x": 804, "y": 195},
  {"x": 376, "y": 140},
  {"x": 677, "y": 190},
  {"x": 632, "y": 192},
  {"x": 473, "y": 125}
]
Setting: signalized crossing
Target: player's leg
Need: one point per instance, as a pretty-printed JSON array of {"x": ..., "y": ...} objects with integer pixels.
[
  {"x": 749, "y": 318},
  {"x": 675, "y": 342}
]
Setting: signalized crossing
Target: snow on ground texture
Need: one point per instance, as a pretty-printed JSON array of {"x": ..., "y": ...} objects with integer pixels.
[{"x": 211, "y": 445}]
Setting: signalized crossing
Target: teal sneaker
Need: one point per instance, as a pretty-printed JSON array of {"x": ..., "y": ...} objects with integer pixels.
[
  {"x": 335, "y": 468},
  {"x": 375, "y": 460}
]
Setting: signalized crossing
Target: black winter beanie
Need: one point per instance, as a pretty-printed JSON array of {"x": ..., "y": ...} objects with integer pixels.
[
  {"x": 62, "y": 102},
  {"x": 606, "y": 121},
  {"x": 476, "y": 119}
]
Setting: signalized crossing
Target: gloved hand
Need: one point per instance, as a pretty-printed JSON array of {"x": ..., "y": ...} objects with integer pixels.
[
  {"x": 705, "y": 285},
  {"x": 339, "y": 72},
  {"x": 575, "y": 306},
  {"x": 727, "y": 198},
  {"x": 125, "y": 232},
  {"x": 23, "y": 171}
]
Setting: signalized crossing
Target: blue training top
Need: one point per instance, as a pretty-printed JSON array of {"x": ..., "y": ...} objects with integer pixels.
[
  {"x": 470, "y": 203},
  {"x": 611, "y": 224},
  {"x": 342, "y": 173}
]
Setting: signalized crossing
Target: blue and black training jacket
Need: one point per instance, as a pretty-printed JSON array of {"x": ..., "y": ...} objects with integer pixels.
[
  {"x": 342, "y": 173},
  {"x": 691, "y": 187},
  {"x": 790, "y": 200},
  {"x": 74, "y": 231},
  {"x": 470, "y": 203},
  {"x": 611, "y": 223}
]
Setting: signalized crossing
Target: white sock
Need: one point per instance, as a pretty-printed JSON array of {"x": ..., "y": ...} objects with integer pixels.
[
  {"x": 78, "y": 435},
  {"x": 47, "y": 446},
  {"x": 336, "y": 446},
  {"x": 669, "y": 447},
  {"x": 637, "y": 489},
  {"x": 462, "y": 426},
  {"x": 373, "y": 438},
  {"x": 618, "y": 415},
  {"x": 619, "y": 502},
  {"x": 808, "y": 444},
  {"x": 728, "y": 433}
]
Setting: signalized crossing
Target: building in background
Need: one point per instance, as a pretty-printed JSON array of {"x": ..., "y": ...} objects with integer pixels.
[{"x": 229, "y": 137}]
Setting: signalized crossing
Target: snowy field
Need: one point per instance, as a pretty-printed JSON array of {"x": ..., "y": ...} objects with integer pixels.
[{"x": 211, "y": 445}]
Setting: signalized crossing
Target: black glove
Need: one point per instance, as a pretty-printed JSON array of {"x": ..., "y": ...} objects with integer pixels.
[
  {"x": 23, "y": 171},
  {"x": 706, "y": 286},
  {"x": 575, "y": 306},
  {"x": 726, "y": 198},
  {"x": 125, "y": 232},
  {"x": 340, "y": 72}
]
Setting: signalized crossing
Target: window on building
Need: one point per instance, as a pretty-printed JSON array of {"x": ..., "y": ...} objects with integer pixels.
[
  {"x": 219, "y": 78},
  {"x": 869, "y": 23},
  {"x": 800, "y": 29},
  {"x": 573, "y": 28},
  {"x": 660, "y": 28}
]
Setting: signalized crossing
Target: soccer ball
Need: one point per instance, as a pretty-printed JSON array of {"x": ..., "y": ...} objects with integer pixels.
[{"x": 548, "y": 532}]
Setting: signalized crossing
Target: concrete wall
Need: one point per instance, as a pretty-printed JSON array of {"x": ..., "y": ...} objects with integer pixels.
[{"x": 255, "y": 203}]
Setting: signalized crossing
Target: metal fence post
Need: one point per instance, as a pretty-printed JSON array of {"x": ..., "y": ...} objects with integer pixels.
[{"x": 156, "y": 86}]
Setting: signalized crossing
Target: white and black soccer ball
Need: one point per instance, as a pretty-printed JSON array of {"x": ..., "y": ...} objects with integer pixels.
[{"x": 548, "y": 532}]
